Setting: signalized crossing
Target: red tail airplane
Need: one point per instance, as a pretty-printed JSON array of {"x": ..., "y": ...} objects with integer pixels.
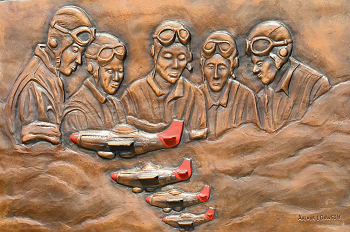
[
  {"x": 187, "y": 221},
  {"x": 151, "y": 177},
  {"x": 126, "y": 141},
  {"x": 177, "y": 200}
]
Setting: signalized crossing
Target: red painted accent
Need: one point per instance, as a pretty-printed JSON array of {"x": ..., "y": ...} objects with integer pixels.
[
  {"x": 147, "y": 199},
  {"x": 184, "y": 171},
  {"x": 171, "y": 136},
  {"x": 74, "y": 137},
  {"x": 114, "y": 176},
  {"x": 204, "y": 195},
  {"x": 164, "y": 220},
  {"x": 210, "y": 213}
]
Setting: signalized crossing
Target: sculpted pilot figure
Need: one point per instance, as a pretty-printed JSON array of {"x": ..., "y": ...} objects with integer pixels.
[
  {"x": 290, "y": 86},
  {"x": 93, "y": 106},
  {"x": 35, "y": 106},
  {"x": 228, "y": 102},
  {"x": 163, "y": 95}
]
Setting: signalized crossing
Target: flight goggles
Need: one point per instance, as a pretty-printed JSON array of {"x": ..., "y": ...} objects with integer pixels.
[
  {"x": 167, "y": 36},
  {"x": 107, "y": 52},
  {"x": 261, "y": 45},
  {"x": 82, "y": 36},
  {"x": 225, "y": 48}
]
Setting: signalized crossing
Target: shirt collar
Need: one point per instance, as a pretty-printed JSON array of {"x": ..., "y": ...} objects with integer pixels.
[
  {"x": 44, "y": 57},
  {"x": 97, "y": 94},
  {"x": 283, "y": 84},
  {"x": 177, "y": 92},
  {"x": 224, "y": 97}
]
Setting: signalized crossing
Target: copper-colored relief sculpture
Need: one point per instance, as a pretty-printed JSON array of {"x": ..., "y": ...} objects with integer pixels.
[
  {"x": 156, "y": 112},
  {"x": 290, "y": 86}
]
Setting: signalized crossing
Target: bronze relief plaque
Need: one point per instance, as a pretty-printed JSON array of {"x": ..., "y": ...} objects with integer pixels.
[{"x": 174, "y": 115}]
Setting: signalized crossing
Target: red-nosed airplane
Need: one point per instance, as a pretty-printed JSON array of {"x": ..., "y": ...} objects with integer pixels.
[
  {"x": 187, "y": 221},
  {"x": 151, "y": 177},
  {"x": 126, "y": 141},
  {"x": 177, "y": 200}
]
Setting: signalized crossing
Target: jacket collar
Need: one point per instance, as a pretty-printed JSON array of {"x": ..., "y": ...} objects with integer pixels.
[
  {"x": 283, "y": 84},
  {"x": 97, "y": 94},
  {"x": 44, "y": 57},
  {"x": 224, "y": 97},
  {"x": 178, "y": 90}
]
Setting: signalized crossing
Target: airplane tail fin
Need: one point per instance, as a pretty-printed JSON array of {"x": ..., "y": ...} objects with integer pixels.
[
  {"x": 210, "y": 213},
  {"x": 171, "y": 136},
  {"x": 184, "y": 171},
  {"x": 204, "y": 195}
]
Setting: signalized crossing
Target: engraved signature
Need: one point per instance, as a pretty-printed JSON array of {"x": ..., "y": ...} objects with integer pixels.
[{"x": 319, "y": 217}]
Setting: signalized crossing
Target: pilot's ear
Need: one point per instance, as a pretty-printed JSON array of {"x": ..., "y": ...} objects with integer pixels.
[
  {"x": 235, "y": 62},
  {"x": 278, "y": 61},
  {"x": 152, "y": 51}
]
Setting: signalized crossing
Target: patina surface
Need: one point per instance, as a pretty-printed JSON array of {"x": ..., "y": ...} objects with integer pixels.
[{"x": 260, "y": 97}]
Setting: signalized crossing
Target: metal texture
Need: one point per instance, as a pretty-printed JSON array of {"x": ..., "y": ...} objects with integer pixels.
[{"x": 253, "y": 97}]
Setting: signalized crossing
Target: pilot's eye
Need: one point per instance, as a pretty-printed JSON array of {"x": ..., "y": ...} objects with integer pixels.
[
  {"x": 222, "y": 67},
  {"x": 181, "y": 57},
  {"x": 167, "y": 55},
  {"x": 210, "y": 66},
  {"x": 75, "y": 49},
  {"x": 109, "y": 71},
  {"x": 259, "y": 63}
]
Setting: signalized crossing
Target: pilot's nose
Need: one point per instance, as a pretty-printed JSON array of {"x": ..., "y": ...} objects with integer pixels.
[
  {"x": 256, "y": 69},
  {"x": 118, "y": 76},
  {"x": 175, "y": 63},
  {"x": 78, "y": 59},
  {"x": 216, "y": 70}
]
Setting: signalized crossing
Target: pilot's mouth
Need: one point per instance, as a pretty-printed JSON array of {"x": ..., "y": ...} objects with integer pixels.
[
  {"x": 73, "y": 67},
  {"x": 174, "y": 75},
  {"x": 115, "y": 85},
  {"x": 259, "y": 75}
]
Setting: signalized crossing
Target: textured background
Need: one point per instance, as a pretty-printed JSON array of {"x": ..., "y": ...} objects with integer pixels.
[{"x": 260, "y": 181}]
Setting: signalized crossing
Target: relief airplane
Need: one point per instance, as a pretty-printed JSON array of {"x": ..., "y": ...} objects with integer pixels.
[
  {"x": 127, "y": 141},
  {"x": 151, "y": 177},
  {"x": 177, "y": 200},
  {"x": 188, "y": 221}
]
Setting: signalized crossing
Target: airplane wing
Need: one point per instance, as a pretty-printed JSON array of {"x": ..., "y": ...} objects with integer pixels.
[
  {"x": 148, "y": 176},
  {"x": 175, "y": 200},
  {"x": 120, "y": 142},
  {"x": 185, "y": 223}
]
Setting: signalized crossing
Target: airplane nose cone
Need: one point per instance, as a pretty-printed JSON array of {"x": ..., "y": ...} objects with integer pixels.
[
  {"x": 164, "y": 220},
  {"x": 74, "y": 137},
  {"x": 147, "y": 199},
  {"x": 114, "y": 176},
  {"x": 210, "y": 213},
  {"x": 204, "y": 195}
]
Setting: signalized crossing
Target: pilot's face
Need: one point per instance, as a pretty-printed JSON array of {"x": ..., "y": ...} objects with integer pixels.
[
  {"x": 111, "y": 76},
  {"x": 264, "y": 67},
  {"x": 70, "y": 59},
  {"x": 171, "y": 62},
  {"x": 216, "y": 72}
]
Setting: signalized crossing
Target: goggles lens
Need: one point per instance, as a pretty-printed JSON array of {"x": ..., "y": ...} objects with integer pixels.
[
  {"x": 83, "y": 36},
  {"x": 107, "y": 53},
  {"x": 225, "y": 48},
  {"x": 167, "y": 36},
  {"x": 262, "y": 45}
]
